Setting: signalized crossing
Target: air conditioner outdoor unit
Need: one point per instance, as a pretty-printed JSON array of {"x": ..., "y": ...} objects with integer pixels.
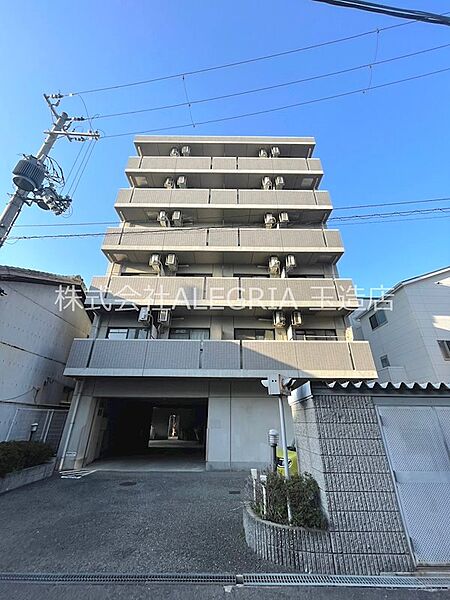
[
  {"x": 172, "y": 262},
  {"x": 266, "y": 183},
  {"x": 283, "y": 218},
  {"x": 279, "y": 320},
  {"x": 164, "y": 316},
  {"x": 279, "y": 182},
  {"x": 163, "y": 219},
  {"x": 182, "y": 181},
  {"x": 263, "y": 153},
  {"x": 274, "y": 265},
  {"x": 291, "y": 263},
  {"x": 177, "y": 218},
  {"x": 145, "y": 316},
  {"x": 169, "y": 183},
  {"x": 269, "y": 220},
  {"x": 296, "y": 318},
  {"x": 275, "y": 152},
  {"x": 186, "y": 150},
  {"x": 155, "y": 262},
  {"x": 174, "y": 151}
]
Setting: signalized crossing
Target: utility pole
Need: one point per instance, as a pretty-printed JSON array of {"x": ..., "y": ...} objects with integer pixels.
[{"x": 31, "y": 172}]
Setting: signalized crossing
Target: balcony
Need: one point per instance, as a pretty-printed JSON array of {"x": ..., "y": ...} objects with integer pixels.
[
  {"x": 219, "y": 245},
  {"x": 224, "y": 145},
  {"x": 225, "y": 206},
  {"x": 325, "y": 360},
  {"x": 223, "y": 172},
  {"x": 314, "y": 294}
]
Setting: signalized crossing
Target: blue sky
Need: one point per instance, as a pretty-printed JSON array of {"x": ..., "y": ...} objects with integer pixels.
[{"x": 382, "y": 146}]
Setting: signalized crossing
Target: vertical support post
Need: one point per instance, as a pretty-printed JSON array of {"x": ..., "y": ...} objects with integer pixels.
[{"x": 15, "y": 205}]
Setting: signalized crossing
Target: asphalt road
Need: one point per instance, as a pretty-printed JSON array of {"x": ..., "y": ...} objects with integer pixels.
[
  {"x": 190, "y": 592},
  {"x": 162, "y": 522}
]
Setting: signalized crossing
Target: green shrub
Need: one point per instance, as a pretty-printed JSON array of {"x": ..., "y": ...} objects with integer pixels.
[
  {"x": 15, "y": 456},
  {"x": 304, "y": 498}
]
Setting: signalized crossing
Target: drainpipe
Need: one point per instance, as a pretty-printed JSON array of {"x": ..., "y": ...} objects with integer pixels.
[{"x": 76, "y": 402}]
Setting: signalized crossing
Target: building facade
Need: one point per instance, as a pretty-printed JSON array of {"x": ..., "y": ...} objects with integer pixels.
[
  {"x": 222, "y": 271},
  {"x": 409, "y": 334},
  {"x": 38, "y": 323}
]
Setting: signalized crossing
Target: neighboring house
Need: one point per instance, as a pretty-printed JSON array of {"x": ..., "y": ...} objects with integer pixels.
[
  {"x": 36, "y": 334},
  {"x": 222, "y": 272},
  {"x": 410, "y": 338}
]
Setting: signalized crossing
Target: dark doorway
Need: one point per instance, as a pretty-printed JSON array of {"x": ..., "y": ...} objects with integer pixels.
[{"x": 172, "y": 432}]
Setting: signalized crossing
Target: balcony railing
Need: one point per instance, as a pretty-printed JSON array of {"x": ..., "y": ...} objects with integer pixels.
[
  {"x": 186, "y": 164},
  {"x": 223, "y": 239},
  {"x": 326, "y": 360},
  {"x": 223, "y": 172},
  {"x": 235, "y": 292}
]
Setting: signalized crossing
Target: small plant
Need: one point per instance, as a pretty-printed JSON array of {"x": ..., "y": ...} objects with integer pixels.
[
  {"x": 18, "y": 455},
  {"x": 270, "y": 501}
]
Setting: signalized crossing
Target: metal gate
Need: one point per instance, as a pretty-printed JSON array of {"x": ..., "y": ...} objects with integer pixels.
[{"x": 417, "y": 442}]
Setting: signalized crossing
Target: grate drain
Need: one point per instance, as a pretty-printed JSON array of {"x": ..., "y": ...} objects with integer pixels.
[
  {"x": 246, "y": 580},
  {"x": 378, "y": 581}
]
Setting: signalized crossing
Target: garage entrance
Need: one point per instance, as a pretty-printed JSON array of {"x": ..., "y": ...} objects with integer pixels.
[
  {"x": 417, "y": 441},
  {"x": 153, "y": 435}
]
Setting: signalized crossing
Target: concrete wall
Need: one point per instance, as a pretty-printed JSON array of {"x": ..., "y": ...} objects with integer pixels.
[
  {"x": 339, "y": 442},
  {"x": 35, "y": 340}
]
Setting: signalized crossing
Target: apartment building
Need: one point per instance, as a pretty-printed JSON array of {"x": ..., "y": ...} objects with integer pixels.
[
  {"x": 409, "y": 333},
  {"x": 222, "y": 271}
]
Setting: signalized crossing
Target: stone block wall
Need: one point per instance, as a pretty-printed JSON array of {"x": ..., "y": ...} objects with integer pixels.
[{"x": 339, "y": 442}]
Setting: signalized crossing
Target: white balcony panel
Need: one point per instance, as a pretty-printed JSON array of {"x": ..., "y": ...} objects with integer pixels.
[
  {"x": 220, "y": 355},
  {"x": 165, "y": 354},
  {"x": 223, "y": 237},
  {"x": 322, "y": 197},
  {"x": 221, "y": 290},
  {"x": 186, "y": 358},
  {"x": 224, "y": 163},
  {"x": 290, "y": 292},
  {"x": 274, "y": 198},
  {"x": 177, "y": 164},
  {"x": 164, "y": 198},
  {"x": 124, "y": 196},
  {"x": 113, "y": 354},
  {"x": 314, "y": 164},
  {"x": 308, "y": 356},
  {"x": 272, "y": 164},
  {"x": 282, "y": 238},
  {"x": 179, "y": 237},
  {"x": 223, "y": 197},
  {"x": 134, "y": 162},
  {"x": 158, "y": 238}
]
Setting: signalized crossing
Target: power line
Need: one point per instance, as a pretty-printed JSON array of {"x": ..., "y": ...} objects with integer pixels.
[
  {"x": 238, "y": 62},
  {"x": 392, "y": 11},
  {"x": 163, "y": 231},
  {"x": 280, "y": 108},
  {"x": 189, "y": 103},
  {"x": 238, "y": 213}
]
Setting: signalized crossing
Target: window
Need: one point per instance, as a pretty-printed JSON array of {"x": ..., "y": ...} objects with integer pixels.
[
  {"x": 128, "y": 333},
  {"x": 377, "y": 319},
  {"x": 315, "y": 334},
  {"x": 189, "y": 333},
  {"x": 254, "y": 334},
  {"x": 384, "y": 360},
  {"x": 445, "y": 348}
]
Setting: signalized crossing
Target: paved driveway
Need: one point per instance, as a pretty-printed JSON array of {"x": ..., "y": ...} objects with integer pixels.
[{"x": 164, "y": 522}]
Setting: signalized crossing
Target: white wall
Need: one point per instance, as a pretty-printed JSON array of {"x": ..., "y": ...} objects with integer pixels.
[
  {"x": 420, "y": 317},
  {"x": 35, "y": 340}
]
